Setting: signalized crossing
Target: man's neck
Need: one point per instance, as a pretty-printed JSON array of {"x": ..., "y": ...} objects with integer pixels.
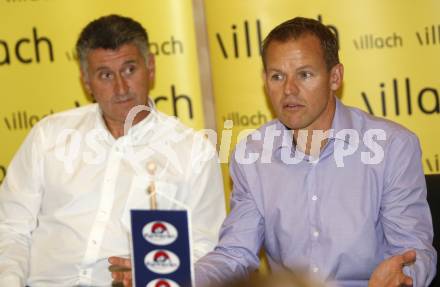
[
  {"x": 116, "y": 128},
  {"x": 312, "y": 140}
]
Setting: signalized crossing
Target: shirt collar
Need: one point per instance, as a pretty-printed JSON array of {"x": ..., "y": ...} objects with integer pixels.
[
  {"x": 341, "y": 120},
  {"x": 135, "y": 130}
]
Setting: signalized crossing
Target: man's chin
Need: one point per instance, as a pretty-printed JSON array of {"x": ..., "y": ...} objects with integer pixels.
[{"x": 292, "y": 124}]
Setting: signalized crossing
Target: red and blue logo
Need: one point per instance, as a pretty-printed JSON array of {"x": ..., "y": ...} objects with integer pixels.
[
  {"x": 160, "y": 233},
  {"x": 162, "y": 283},
  {"x": 162, "y": 261}
]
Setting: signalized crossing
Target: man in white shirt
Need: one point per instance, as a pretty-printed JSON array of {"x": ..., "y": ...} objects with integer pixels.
[{"x": 64, "y": 205}]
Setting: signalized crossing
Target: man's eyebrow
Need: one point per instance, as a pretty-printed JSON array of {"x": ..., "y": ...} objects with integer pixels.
[
  {"x": 130, "y": 62},
  {"x": 101, "y": 68},
  {"x": 269, "y": 69},
  {"x": 274, "y": 70},
  {"x": 304, "y": 67},
  {"x": 104, "y": 67}
]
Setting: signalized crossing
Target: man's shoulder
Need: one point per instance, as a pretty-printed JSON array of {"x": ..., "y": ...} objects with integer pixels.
[
  {"x": 48, "y": 130},
  {"x": 69, "y": 118},
  {"x": 169, "y": 127},
  {"x": 172, "y": 130},
  {"x": 172, "y": 123},
  {"x": 364, "y": 122}
]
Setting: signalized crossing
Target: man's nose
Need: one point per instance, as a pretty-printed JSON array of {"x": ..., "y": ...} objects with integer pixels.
[
  {"x": 290, "y": 86},
  {"x": 121, "y": 85}
]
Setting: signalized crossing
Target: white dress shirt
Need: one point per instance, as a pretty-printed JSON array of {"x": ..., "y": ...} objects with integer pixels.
[{"x": 64, "y": 205}]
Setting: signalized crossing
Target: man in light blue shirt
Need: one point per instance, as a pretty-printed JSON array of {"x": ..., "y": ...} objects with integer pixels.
[{"x": 324, "y": 187}]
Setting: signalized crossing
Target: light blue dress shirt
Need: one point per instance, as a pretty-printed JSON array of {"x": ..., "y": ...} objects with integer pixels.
[{"x": 338, "y": 222}]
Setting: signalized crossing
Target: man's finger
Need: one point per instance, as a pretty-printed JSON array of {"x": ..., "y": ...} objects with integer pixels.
[
  {"x": 118, "y": 276},
  {"x": 407, "y": 281},
  {"x": 127, "y": 283},
  {"x": 124, "y": 262},
  {"x": 409, "y": 257},
  {"x": 118, "y": 268}
]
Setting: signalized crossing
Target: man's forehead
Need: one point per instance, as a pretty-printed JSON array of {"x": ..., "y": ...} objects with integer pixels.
[
  {"x": 294, "y": 48},
  {"x": 124, "y": 54},
  {"x": 305, "y": 38}
]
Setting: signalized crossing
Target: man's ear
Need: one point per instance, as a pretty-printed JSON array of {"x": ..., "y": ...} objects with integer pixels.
[
  {"x": 263, "y": 77},
  {"x": 85, "y": 81},
  {"x": 336, "y": 76},
  {"x": 151, "y": 67}
]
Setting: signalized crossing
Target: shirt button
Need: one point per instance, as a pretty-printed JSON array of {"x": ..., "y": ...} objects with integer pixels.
[
  {"x": 94, "y": 242},
  {"x": 84, "y": 272},
  {"x": 315, "y": 233},
  {"x": 315, "y": 269},
  {"x": 314, "y": 198}
]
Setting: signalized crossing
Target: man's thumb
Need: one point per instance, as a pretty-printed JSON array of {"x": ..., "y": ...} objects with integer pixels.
[{"x": 409, "y": 257}]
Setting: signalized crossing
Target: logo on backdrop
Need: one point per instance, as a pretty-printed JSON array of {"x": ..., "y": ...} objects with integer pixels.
[
  {"x": 162, "y": 283},
  {"x": 162, "y": 261},
  {"x": 2, "y": 173},
  {"x": 403, "y": 97},
  {"x": 33, "y": 48},
  {"x": 245, "y": 39},
  {"x": 242, "y": 42},
  {"x": 433, "y": 164},
  {"x": 370, "y": 41},
  {"x": 425, "y": 36},
  {"x": 177, "y": 102},
  {"x": 429, "y": 35},
  {"x": 247, "y": 120},
  {"x": 167, "y": 48},
  {"x": 160, "y": 233},
  {"x": 22, "y": 120}
]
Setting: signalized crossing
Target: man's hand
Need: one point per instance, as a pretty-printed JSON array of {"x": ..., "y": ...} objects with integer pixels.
[
  {"x": 121, "y": 270},
  {"x": 390, "y": 271}
]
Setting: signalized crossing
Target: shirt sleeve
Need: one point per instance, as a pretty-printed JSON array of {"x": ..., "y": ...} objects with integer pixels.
[
  {"x": 241, "y": 237},
  {"x": 207, "y": 199},
  {"x": 405, "y": 213},
  {"x": 20, "y": 197}
]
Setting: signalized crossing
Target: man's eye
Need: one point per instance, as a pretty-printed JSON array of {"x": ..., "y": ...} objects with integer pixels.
[
  {"x": 106, "y": 75},
  {"x": 305, "y": 74},
  {"x": 129, "y": 70},
  {"x": 276, "y": 77}
]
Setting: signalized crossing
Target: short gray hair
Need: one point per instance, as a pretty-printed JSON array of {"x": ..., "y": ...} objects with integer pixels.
[{"x": 110, "y": 32}]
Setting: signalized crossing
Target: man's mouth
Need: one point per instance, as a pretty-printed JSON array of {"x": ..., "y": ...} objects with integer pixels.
[
  {"x": 292, "y": 106},
  {"x": 124, "y": 99}
]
